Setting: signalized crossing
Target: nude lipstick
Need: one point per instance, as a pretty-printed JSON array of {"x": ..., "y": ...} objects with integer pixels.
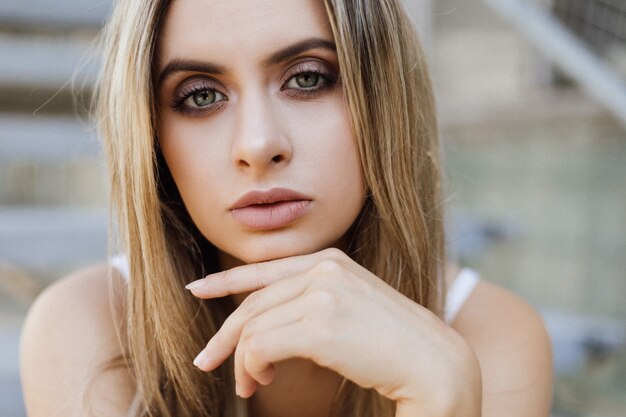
[{"x": 271, "y": 209}]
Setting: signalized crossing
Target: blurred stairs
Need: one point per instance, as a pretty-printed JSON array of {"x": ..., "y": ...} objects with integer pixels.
[
  {"x": 52, "y": 198},
  {"x": 47, "y": 151},
  {"x": 52, "y": 185}
]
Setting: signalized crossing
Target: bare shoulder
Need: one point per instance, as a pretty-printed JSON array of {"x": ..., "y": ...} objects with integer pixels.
[
  {"x": 512, "y": 345},
  {"x": 68, "y": 336}
]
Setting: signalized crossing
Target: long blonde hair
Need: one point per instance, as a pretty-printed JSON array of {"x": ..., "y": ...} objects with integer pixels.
[{"x": 398, "y": 234}]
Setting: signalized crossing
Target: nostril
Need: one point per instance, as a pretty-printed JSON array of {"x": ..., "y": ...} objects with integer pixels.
[{"x": 277, "y": 158}]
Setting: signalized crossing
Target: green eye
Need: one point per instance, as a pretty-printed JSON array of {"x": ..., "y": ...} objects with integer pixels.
[
  {"x": 197, "y": 96},
  {"x": 307, "y": 79},
  {"x": 203, "y": 98}
]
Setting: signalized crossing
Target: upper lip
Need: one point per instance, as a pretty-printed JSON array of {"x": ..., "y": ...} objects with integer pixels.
[{"x": 268, "y": 197}]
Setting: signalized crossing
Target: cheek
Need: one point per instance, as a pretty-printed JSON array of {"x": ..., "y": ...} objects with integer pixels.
[
  {"x": 195, "y": 159},
  {"x": 188, "y": 143},
  {"x": 331, "y": 163},
  {"x": 333, "y": 152}
]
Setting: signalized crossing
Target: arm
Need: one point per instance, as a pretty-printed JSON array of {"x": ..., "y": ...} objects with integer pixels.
[
  {"x": 326, "y": 308},
  {"x": 510, "y": 342},
  {"x": 312, "y": 306},
  {"x": 513, "y": 349},
  {"x": 68, "y": 333}
]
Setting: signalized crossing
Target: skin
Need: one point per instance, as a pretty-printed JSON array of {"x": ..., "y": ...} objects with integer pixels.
[
  {"x": 70, "y": 331},
  {"x": 324, "y": 307},
  {"x": 303, "y": 309},
  {"x": 256, "y": 126},
  {"x": 262, "y": 129}
]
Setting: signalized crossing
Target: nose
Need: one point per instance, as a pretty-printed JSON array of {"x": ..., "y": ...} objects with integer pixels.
[{"x": 260, "y": 143}]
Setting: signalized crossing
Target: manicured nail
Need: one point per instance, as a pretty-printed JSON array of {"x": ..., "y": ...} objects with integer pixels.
[
  {"x": 195, "y": 284},
  {"x": 267, "y": 375},
  {"x": 201, "y": 360}
]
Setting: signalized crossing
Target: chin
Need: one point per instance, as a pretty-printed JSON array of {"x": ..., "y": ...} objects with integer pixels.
[
  {"x": 264, "y": 250},
  {"x": 270, "y": 253}
]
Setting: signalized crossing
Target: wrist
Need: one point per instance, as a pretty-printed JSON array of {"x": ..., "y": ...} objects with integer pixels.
[
  {"x": 455, "y": 393},
  {"x": 468, "y": 388},
  {"x": 464, "y": 403},
  {"x": 466, "y": 395}
]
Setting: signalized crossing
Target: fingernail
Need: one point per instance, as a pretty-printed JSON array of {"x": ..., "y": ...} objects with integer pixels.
[
  {"x": 267, "y": 375},
  {"x": 201, "y": 360},
  {"x": 195, "y": 284}
]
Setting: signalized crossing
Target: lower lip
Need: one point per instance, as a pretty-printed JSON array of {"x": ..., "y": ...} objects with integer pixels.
[{"x": 271, "y": 216}]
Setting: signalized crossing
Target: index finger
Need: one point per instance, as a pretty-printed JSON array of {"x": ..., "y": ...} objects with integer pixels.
[{"x": 252, "y": 277}]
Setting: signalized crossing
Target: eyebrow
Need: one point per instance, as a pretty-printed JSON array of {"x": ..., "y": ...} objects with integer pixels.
[{"x": 178, "y": 65}]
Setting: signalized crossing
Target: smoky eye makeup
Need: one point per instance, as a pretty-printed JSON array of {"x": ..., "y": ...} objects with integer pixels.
[
  {"x": 200, "y": 95},
  {"x": 196, "y": 95},
  {"x": 309, "y": 78}
]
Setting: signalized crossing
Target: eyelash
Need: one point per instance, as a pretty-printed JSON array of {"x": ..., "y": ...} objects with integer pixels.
[{"x": 327, "y": 82}]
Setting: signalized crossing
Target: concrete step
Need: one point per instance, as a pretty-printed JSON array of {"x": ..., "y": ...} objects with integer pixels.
[
  {"x": 52, "y": 238},
  {"x": 45, "y": 138},
  {"x": 62, "y": 13},
  {"x": 534, "y": 107},
  {"x": 576, "y": 337},
  {"x": 11, "y": 402},
  {"x": 46, "y": 62},
  {"x": 9, "y": 348}
]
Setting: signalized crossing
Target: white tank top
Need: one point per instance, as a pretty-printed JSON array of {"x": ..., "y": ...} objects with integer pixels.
[{"x": 459, "y": 291}]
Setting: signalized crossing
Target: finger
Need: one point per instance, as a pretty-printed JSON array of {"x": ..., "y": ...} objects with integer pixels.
[
  {"x": 222, "y": 344},
  {"x": 255, "y": 276},
  {"x": 250, "y": 369},
  {"x": 278, "y": 344},
  {"x": 247, "y": 383},
  {"x": 281, "y": 316}
]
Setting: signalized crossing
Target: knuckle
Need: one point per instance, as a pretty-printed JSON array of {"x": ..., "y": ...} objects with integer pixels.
[
  {"x": 258, "y": 276},
  {"x": 334, "y": 253},
  {"x": 226, "y": 276},
  {"x": 328, "y": 267},
  {"x": 249, "y": 303},
  {"x": 256, "y": 347},
  {"x": 249, "y": 330}
]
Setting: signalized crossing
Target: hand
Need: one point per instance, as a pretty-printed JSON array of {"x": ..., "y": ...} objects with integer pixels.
[{"x": 327, "y": 308}]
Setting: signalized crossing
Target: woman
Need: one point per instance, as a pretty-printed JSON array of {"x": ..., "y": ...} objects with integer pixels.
[{"x": 286, "y": 150}]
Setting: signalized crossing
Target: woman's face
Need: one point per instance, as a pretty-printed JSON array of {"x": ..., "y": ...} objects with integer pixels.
[{"x": 249, "y": 99}]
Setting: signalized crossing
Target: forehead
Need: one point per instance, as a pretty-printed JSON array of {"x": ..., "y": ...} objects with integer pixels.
[{"x": 231, "y": 28}]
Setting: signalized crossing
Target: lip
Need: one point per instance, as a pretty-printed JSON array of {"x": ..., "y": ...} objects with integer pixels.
[{"x": 270, "y": 209}]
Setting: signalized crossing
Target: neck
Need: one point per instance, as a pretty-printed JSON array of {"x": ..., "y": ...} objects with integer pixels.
[{"x": 300, "y": 387}]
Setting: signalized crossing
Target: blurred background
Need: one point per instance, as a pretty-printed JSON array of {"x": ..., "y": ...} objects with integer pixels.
[{"x": 532, "y": 103}]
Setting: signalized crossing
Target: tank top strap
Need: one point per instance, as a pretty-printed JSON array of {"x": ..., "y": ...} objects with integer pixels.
[
  {"x": 120, "y": 262},
  {"x": 459, "y": 291}
]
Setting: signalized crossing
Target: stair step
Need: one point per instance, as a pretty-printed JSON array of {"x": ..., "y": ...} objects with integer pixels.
[
  {"x": 62, "y": 13},
  {"x": 39, "y": 238},
  {"x": 44, "y": 138},
  {"x": 11, "y": 402},
  {"x": 46, "y": 62}
]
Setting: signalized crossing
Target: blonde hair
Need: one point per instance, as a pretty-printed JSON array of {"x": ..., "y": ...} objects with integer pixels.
[{"x": 398, "y": 234}]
